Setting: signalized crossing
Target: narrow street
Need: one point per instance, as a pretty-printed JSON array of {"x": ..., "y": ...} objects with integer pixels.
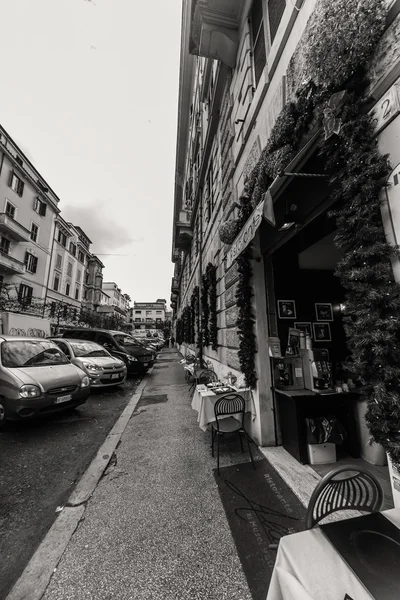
[{"x": 40, "y": 463}]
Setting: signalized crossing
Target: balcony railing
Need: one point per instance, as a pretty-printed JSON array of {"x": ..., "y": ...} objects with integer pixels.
[
  {"x": 9, "y": 264},
  {"x": 14, "y": 229}
]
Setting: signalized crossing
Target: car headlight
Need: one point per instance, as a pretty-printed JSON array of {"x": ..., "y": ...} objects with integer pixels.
[
  {"x": 92, "y": 367},
  {"x": 29, "y": 391},
  {"x": 132, "y": 358},
  {"x": 85, "y": 382}
]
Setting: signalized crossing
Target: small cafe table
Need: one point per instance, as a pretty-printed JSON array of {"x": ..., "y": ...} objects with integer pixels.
[
  {"x": 308, "y": 567},
  {"x": 204, "y": 401}
]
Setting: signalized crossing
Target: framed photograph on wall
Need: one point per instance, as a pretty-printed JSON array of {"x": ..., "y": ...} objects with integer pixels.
[
  {"x": 323, "y": 311},
  {"x": 303, "y": 326},
  {"x": 322, "y": 332},
  {"x": 286, "y": 309}
]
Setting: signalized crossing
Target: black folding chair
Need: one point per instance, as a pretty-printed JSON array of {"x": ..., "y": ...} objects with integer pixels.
[
  {"x": 227, "y": 406},
  {"x": 203, "y": 377},
  {"x": 344, "y": 488}
]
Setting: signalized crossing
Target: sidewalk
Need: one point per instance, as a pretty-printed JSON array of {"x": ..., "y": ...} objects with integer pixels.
[{"x": 155, "y": 527}]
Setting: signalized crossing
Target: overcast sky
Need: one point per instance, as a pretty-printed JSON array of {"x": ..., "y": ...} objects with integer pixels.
[{"x": 89, "y": 92}]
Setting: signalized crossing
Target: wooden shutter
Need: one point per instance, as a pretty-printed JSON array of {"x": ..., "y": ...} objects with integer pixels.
[
  {"x": 26, "y": 259},
  {"x": 10, "y": 178},
  {"x": 20, "y": 188},
  {"x": 276, "y": 9},
  {"x": 43, "y": 208},
  {"x": 34, "y": 264}
]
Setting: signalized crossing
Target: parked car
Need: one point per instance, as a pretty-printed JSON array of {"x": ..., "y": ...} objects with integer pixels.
[
  {"x": 149, "y": 347},
  {"x": 121, "y": 345},
  {"x": 103, "y": 369},
  {"x": 36, "y": 378}
]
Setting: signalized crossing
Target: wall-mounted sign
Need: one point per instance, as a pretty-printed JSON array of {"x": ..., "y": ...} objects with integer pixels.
[
  {"x": 246, "y": 235},
  {"x": 386, "y": 109}
]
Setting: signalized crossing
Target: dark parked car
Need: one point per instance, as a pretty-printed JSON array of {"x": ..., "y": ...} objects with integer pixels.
[{"x": 121, "y": 345}]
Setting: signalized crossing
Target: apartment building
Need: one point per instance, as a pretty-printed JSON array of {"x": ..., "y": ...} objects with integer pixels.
[
  {"x": 93, "y": 295},
  {"x": 118, "y": 303},
  {"x": 70, "y": 255},
  {"x": 252, "y": 200},
  {"x": 28, "y": 210},
  {"x": 148, "y": 315}
]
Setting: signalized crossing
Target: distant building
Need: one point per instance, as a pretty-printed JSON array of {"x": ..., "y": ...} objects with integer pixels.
[
  {"x": 118, "y": 303},
  {"x": 148, "y": 315},
  {"x": 28, "y": 211},
  {"x": 94, "y": 295}
]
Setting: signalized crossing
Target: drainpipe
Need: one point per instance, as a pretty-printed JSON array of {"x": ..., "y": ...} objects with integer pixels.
[
  {"x": 49, "y": 273},
  {"x": 200, "y": 209}
]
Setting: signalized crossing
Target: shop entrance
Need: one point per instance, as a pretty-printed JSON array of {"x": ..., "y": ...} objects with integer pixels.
[{"x": 305, "y": 295}]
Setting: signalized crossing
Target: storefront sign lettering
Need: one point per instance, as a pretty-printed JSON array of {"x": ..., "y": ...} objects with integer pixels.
[{"x": 246, "y": 235}]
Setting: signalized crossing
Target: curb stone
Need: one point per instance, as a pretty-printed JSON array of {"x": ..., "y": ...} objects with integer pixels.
[{"x": 35, "y": 578}]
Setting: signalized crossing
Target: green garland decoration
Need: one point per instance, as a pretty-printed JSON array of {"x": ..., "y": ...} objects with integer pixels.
[
  {"x": 205, "y": 311},
  {"x": 339, "y": 41},
  {"x": 245, "y": 321},
  {"x": 211, "y": 272}
]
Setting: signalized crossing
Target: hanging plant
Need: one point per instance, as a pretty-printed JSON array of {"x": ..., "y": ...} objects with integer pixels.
[
  {"x": 245, "y": 321},
  {"x": 228, "y": 231},
  {"x": 211, "y": 272},
  {"x": 205, "y": 311}
]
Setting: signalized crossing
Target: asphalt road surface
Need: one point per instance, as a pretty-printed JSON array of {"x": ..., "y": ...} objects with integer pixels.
[{"x": 40, "y": 463}]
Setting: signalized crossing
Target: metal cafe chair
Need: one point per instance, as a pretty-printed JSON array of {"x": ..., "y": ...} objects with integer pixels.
[
  {"x": 227, "y": 406},
  {"x": 204, "y": 377},
  {"x": 344, "y": 488}
]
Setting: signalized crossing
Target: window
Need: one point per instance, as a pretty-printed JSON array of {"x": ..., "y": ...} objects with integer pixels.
[
  {"x": 31, "y": 262},
  {"x": 77, "y": 290},
  {"x": 67, "y": 288},
  {"x": 158, "y": 312},
  {"x": 69, "y": 269},
  {"x": 19, "y": 160},
  {"x": 34, "y": 232},
  {"x": 52, "y": 309},
  {"x": 56, "y": 284},
  {"x": 58, "y": 261},
  {"x": 78, "y": 275},
  {"x": 62, "y": 238},
  {"x": 81, "y": 257},
  {"x": 138, "y": 320},
  {"x": 16, "y": 183},
  {"x": 10, "y": 210},
  {"x": 4, "y": 245},
  {"x": 40, "y": 207},
  {"x": 257, "y": 39},
  {"x": 25, "y": 294},
  {"x": 138, "y": 312},
  {"x": 72, "y": 249},
  {"x": 276, "y": 9}
]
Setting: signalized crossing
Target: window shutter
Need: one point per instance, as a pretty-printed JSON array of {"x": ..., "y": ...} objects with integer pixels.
[
  {"x": 29, "y": 295},
  {"x": 10, "y": 178},
  {"x": 43, "y": 208},
  {"x": 20, "y": 190},
  {"x": 34, "y": 264},
  {"x": 26, "y": 258},
  {"x": 20, "y": 292}
]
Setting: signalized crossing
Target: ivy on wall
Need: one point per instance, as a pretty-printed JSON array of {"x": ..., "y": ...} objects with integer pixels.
[
  {"x": 195, "y": 316},
  {"x": 245, "y": 320},
  {"x": 211, "y": 274},
  {"x": 205, "y": 311}
]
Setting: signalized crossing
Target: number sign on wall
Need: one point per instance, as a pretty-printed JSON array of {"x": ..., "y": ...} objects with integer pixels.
[{"x": 386, "y": 109}]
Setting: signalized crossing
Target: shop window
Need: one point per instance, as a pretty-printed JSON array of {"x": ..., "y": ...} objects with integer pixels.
[{"x": 258, "y": 46}]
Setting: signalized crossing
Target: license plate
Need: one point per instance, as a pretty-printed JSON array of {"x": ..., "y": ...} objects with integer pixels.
[
  {"x": 62, "y": 399},
  {"x": 116, "y": 376}
]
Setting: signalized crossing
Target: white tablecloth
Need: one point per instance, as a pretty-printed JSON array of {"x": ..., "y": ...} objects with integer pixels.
[
  {"x": 203, "y": 402},
  {"x": 308, "y": 567}
]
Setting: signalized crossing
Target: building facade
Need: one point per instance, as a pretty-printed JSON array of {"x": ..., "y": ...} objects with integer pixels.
[
  {"x": 118, "y": 303},
  {"x": 244, "y": 67},
  {"x": 93, "y": 295},
  {"x": 148, "y": 315},
  {"x": 28, "y": 211}
]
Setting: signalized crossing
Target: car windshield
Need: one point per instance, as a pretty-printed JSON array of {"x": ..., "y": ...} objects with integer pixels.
[
  {"x": 125, "y": 340},
  {"x": 87, "y": 349},
  {"x": 31, "y": 353}
]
